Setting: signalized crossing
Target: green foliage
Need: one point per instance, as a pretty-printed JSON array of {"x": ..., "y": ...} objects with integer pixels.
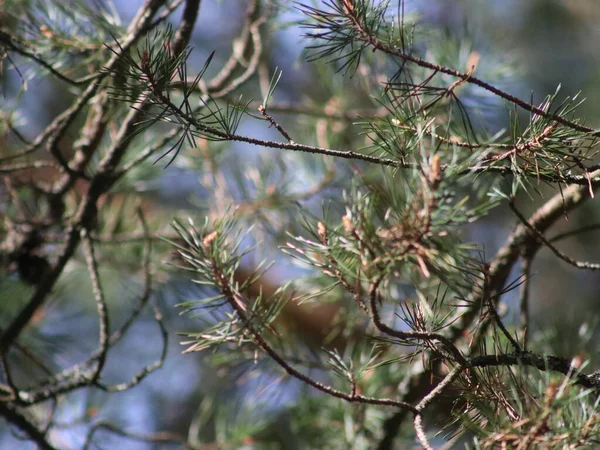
[{"x": 368, "y": 197}]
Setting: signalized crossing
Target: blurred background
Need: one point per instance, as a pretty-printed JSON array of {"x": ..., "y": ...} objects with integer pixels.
[{"x": 547, "y": 43}]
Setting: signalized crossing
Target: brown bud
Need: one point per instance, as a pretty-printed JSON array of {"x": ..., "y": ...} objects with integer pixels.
[
  {"x": 145, "y": 60},
  {"x": 209, "y": 238},
  {"x": 348, "y": 7},
  {"x": 322, "y": 232},
  {"x": 436, "y": 170},
  {"x": 348, "y": 226}
]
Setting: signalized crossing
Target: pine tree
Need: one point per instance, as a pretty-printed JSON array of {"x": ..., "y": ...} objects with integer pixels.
[{"x": 397, "y": 328}]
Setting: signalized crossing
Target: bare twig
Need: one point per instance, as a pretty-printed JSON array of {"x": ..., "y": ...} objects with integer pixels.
[
  {"x": 272, "y": 121},
  {"x": 524, "y": 319},
  {"x": 156, "y": 438},
  {"x": 429, "y": 398},
  {"x": 579, "y": 264},
  {"x": 101, "y": 306},
  {"x": 12, "y": 43}
]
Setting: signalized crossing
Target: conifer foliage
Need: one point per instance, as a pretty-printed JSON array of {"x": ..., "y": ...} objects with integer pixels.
[{"x": 398, "y": 328}]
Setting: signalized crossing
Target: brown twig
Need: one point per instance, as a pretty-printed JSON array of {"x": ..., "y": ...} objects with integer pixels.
[
  {"x": 466, "y": 77},
  {"x": 579, "y": 264},
  {"x": 102, "y": 309},
  {"x": 272, "y": 121}
]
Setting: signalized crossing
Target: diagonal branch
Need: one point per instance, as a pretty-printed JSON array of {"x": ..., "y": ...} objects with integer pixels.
[
  {"x": 463, "y": 77},
  {"x": 566, "y": 258},
  {"x": 15, "y": 417}
]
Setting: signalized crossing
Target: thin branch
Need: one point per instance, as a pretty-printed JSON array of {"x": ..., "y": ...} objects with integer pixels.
[
  {"x": 13, "y": 44},
  {"x": 272, "y": 121},
  {"x": 422, "y": 335},
  {"x": 163, "y": 437},
  {"x": 587, "y": 180},
  {"x": 157, "y": 315},
  {"x": 302, "y": 148},
  {"x": 236, "y": 303},
  {"x": 9, "y": 390},
  {"x": 134, "y": 238},
  {"x": 254, "y": 30},
  {"x": 32, "y": 357},
  {"x": 579, "y": 264},
  {"x": 524, "y": 319},
  {"x": 147, "y": 289},
  {"x": 521, "y": 239},
  {"x": 101, "y": 306},
  {"x": 134, "y": 33},
  {"x": 350, "y": 115},
  {"x": 150, "y": 368},
  {"x": 464, "y": 77},
  {"x": 242, "y": 44},
  {"x": 148, "y": 152},
  {"x": 575, "y": 232},
  {"x": 227, "y": 136},
  {"x": 87, "y": 145},
  {"x": 27, "y": 166},
  {"x": 84, "y": 374},
  {"x": 421, "y": 436},
  {"x": 447, "y": 381},
  {"x": 541, "y": 362},
  {"x": 429, "y": 398},
  {"x": 169, "y": 9}
]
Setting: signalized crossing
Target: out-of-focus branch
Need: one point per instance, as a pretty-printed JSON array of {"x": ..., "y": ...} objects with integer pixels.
[
  {"x": 99, "y": 185},
  {"x": 102, "y": 308},
  {"x": 24, "y": 424},
  {"x": 578, "y": 264},
  {"x": 155, "y": 438},
  {"x": 78, "y": 226},
  {"x": 524, "y": 316},
  {"x": 12, "y": 43}
]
